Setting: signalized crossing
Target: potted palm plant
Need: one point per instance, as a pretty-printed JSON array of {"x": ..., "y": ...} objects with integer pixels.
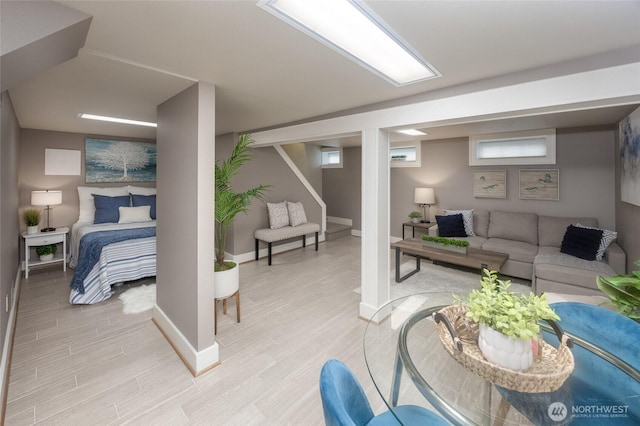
[
  {"x": 229, "y": 203},
  {"x": 31, "y": 218}
]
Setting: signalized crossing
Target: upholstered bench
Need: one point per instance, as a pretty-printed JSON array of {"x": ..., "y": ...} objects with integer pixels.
[{"x": 269, "y": 235}]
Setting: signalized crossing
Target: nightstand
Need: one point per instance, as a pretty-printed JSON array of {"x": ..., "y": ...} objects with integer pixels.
[{"x": 41, "y": 239}]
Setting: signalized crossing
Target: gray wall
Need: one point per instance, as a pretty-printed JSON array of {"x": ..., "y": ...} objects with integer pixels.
[
  {"x": 266, "y": 167},
  {"x": 186, "y": 147},
  {"x": 308, "y": 158},
  {"x": 32, "y": 177},
  {"x": 585, "y": 158},
  {"x": 627, "y": 219},
  {"x": 9, "y": 220},
  {"x": 343, "y": 188}
]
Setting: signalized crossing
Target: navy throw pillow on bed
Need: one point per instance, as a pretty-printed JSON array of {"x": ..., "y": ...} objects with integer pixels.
[
  {"x": 581, "y": 242},
  {"x": 451, "y": 225},
  {"x": 145, "y": 200},
  {"x": 107, "y": 208}
]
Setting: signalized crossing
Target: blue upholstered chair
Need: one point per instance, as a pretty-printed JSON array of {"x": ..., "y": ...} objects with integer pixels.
[
  {"x": 345, "y": 403},
  {"x": 595, "y": 383}
]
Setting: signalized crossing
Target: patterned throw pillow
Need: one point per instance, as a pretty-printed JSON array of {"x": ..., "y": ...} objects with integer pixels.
[
  {"x": 296, "y": 213},
  {"x": 607, "y": 238},
  {"x": 467, "y": 219},
  {"x": 278, "y": 215}
]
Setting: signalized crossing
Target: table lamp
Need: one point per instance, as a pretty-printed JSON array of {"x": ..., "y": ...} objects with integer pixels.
[
  {"x": 46, "y": 198},
  {"x": 424, "y": 197}
]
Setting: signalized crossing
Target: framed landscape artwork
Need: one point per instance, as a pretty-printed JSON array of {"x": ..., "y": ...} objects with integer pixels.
[
  {"x": 540, "y": 184},
  {"x": 630, "y": 158},
  {"x": 490, "y": 183},
  {"x": 119, "y": 161}
]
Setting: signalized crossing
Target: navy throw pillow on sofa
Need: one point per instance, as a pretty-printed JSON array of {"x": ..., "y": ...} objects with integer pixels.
[
  {"x": 107, "y": 208},
  {"x": 581, "y": 242},
  {"x": 145, "y": 200},
  {"x": 451, "y": 225}
]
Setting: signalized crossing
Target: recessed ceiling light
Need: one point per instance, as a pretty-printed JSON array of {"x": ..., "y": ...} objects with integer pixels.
[
  {"x": 412, "y": 132},
  {"x": 352, "y": 29},
  {"x": 117, "y": 120}
]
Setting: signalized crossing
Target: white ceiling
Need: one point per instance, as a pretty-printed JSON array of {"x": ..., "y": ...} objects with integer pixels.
[{"x": 140, "y": 53}]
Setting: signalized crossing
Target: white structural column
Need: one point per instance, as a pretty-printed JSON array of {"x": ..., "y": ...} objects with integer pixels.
[{"x": 375, "y": 221}]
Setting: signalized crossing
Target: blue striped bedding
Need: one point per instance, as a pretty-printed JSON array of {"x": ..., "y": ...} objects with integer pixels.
[{"x": 122, "y": 261}]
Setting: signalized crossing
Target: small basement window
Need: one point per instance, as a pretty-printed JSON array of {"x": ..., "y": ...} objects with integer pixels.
[
  {"x": 331, "y": 158},
  {"x": 532, "y": 147},
  {"x": 405, "y": 154}
]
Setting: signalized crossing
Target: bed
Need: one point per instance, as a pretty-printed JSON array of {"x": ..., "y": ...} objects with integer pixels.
[{"x": 104, "y": 252}]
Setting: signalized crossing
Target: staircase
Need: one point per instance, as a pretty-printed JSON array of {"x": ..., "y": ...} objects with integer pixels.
[{"x": 336, "y": 230}]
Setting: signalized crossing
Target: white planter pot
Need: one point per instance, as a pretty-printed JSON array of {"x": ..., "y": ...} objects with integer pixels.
[
  {"x": 32, "y": 229},
  {"x": 46, "y": 257},
  {"x": 226, "y": 282},
  {"x": 514, "y": 354},
  {"x": 447, "y": 247},
  {"x": 414, "y": 219}
]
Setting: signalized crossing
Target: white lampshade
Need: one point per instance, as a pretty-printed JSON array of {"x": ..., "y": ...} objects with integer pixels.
[
  {"x": 46, "y": 198},
  {"x": 424, "y": 196}
]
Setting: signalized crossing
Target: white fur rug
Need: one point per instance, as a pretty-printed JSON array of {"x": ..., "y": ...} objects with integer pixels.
[{"x": 138, "y": 299}]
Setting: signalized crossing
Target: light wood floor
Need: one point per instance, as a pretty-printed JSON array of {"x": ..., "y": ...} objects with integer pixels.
[{"x": 81, "y": 365}]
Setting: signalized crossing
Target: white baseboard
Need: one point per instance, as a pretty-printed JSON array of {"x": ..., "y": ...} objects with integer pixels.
[
  {"x": 356, "y": 232},
  {"x": 340, "y": 220},
  {"x": 196, "y": 362},
  {"x": 7, "y": 347}
]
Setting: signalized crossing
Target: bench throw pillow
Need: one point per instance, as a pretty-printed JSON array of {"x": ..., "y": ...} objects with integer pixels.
[
  {"x": 278, "y": 215},
  {"x": 581, "y": 242},
  {"x": 296, "y": 213},
  {"x": 107, "y": 208},
  {"x": 451, "y": 225},
  {"x": 467, "y": 219},
  {"x": 607, "y": 238}
]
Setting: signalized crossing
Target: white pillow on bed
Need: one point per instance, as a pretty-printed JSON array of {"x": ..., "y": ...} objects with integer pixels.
[
  {"x": 87, "y": 206},
  {"x": 141, "y": 190},
  {"x": 134, "y": 214}
]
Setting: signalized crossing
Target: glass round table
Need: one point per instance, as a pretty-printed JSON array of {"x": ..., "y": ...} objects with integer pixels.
[{"x": 409, "y": 365}]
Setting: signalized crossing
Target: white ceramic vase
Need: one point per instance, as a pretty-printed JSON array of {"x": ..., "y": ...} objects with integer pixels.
[
  {"x": 46, "y": 257},
  {"x": 32, "y": 229},
  {"x": 414, "y": 219},
  {"x": 507, "y": 352}
]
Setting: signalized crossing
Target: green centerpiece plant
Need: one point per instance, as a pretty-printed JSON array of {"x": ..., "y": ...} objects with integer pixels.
[
  {"x": 229, "y": 203},
  {"x": 445, "y": 241},
  {"x": 624, "y": 292},
  {"x": 508, "y": 321}
]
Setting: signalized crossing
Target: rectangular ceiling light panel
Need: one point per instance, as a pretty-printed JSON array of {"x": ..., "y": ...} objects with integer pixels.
[{"x": 352, "y": 29}]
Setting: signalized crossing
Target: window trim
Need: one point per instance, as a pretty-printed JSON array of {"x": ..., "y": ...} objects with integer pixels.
[
  {"x": 549, "y": 136},
  {"x": 339, "y": 165},
  {"x": 402, "y": 163}
]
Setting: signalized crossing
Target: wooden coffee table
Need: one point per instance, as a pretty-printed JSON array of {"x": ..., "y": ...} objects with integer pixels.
[{"x": 474, "y": 258}]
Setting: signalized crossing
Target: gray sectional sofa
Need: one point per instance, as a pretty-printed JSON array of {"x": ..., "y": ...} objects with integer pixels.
[{"x": 533, "y": 243}]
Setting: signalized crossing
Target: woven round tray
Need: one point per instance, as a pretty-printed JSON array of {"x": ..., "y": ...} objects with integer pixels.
[{"x": 548, "y": 372}]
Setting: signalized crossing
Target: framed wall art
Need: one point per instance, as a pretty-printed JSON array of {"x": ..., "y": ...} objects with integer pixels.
[
  {"x": 630, "y": 158},
  {"x": 119, "y": 161},
  {"x": 490, "y": 183},
  {"x": 540, "y": 184}
]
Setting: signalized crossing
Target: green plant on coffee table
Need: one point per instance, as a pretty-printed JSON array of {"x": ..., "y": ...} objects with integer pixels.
[
  {"x": 446, "y": 241},
  {"x": 624, "y": 292},
  {"x": 46, "y": 249},
  {"x": 415, "y": 215},
  {"x": 512, "y": 314},
  {"x": 31, "y": 217}
]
